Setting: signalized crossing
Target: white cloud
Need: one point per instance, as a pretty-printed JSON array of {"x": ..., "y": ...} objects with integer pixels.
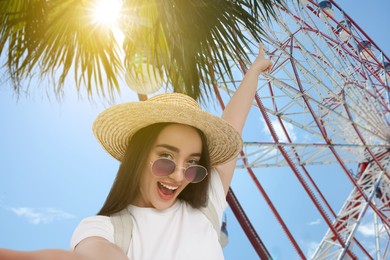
[
  {"x": 367, "y": 229},
  {"x": 310, "y": 247},
  {"x": 42, "y": 216},
  {"x": 280, "y": 132},
  {"x": 315, "y": 222}
]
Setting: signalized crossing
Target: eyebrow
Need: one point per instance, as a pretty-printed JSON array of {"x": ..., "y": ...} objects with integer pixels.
[{"x": 175, "y": 149}]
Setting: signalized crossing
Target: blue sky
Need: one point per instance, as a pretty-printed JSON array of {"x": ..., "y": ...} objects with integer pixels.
[{"x": 53, "y": 173}]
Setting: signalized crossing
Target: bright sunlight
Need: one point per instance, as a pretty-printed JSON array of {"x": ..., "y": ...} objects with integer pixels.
[{"x": 106, "y": 12}]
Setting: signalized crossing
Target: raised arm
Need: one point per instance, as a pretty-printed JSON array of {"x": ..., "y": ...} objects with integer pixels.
[{"x": 236, "y": 111}]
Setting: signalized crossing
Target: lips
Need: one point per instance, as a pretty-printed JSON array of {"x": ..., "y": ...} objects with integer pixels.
[{"x": 166, "y": 191}]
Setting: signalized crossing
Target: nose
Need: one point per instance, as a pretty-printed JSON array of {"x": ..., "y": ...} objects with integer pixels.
[{"x": 178, "y": 173}]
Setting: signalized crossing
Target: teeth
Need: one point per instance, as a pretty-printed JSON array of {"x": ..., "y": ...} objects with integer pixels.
[{"x": 167, "y": 186}]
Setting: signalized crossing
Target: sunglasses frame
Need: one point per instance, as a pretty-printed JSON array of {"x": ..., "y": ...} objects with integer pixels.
[{"x": 174, "y": 169}]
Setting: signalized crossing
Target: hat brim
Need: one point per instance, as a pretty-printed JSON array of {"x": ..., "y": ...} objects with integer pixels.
[{"x": 115, "y": 126}]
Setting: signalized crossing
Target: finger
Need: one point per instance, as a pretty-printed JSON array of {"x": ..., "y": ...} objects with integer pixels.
[{"x": 261, "y": 50}]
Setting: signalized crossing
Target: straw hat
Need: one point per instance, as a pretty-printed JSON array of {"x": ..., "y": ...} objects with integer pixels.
[{"x": 115, "y": 126}]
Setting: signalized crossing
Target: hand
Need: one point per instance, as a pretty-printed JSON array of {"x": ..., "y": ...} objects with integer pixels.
[{"x": 261, "y": 64}]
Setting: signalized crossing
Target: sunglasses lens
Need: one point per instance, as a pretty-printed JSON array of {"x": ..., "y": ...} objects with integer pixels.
[
  {"x": 163, "y": 167},
  {"x": 195, "y": 173}
]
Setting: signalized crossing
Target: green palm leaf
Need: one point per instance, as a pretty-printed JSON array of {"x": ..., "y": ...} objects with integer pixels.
[{"x": 187, "y": 41}]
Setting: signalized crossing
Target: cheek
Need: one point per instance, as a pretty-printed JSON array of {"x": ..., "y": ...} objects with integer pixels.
[{"x": 146, "y": 179}]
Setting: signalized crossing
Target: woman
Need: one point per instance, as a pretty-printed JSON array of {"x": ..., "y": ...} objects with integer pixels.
[{"x": 175, "y": 159}]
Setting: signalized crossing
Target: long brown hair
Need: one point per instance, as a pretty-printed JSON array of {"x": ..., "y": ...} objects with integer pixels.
[{"x": 126, "y": 185}]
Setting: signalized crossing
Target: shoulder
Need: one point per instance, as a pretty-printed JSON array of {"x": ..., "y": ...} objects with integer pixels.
[
  {"x": 95, "y": 226},
  {"x": 217, "y": 195},
  {"x": 216, "y": 186},
  {"x": 215, "y": 179},
  {"x": 95, "y": 221}
]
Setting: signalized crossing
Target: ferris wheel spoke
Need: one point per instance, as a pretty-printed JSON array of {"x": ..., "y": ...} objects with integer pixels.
[{"x": 266, "y": 154}]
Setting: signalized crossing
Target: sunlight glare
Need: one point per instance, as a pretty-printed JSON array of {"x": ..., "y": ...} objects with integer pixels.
[{"x": 106, "y": 12}]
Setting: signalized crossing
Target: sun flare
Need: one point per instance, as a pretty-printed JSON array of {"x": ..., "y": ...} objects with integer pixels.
[{"x": 106, "y": 12}]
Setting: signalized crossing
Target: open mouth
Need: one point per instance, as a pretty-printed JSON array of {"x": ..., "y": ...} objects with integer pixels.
[{"x": 166, "y": 191}]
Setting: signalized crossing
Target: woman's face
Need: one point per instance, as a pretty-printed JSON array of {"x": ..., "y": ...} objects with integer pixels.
[{"x": 183, "y": 145}]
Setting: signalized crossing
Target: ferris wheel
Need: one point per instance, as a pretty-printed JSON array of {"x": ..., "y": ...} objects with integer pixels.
[{"x": 325, "y": 102}]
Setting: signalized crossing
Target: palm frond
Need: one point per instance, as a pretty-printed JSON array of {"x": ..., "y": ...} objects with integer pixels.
[
  {"x": 186, "y": 41},
  {"x": 184, "y": 37}
]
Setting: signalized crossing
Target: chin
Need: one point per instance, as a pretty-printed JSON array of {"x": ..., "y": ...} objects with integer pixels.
[{"x": 162, "y": 205}]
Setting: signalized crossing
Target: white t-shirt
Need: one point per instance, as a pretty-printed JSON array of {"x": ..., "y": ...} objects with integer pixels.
[{"x": 179, "y": 232}]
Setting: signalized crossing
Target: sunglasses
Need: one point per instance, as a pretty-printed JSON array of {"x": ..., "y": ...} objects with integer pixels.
[{"x": 164, "y": 167}]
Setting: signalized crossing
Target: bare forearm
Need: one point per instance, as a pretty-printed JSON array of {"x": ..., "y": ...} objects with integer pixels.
[
  {"x": 48, "y": 254},
  {"x": 90, "y": 249},
  {"x": 237, "y": 109}
]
